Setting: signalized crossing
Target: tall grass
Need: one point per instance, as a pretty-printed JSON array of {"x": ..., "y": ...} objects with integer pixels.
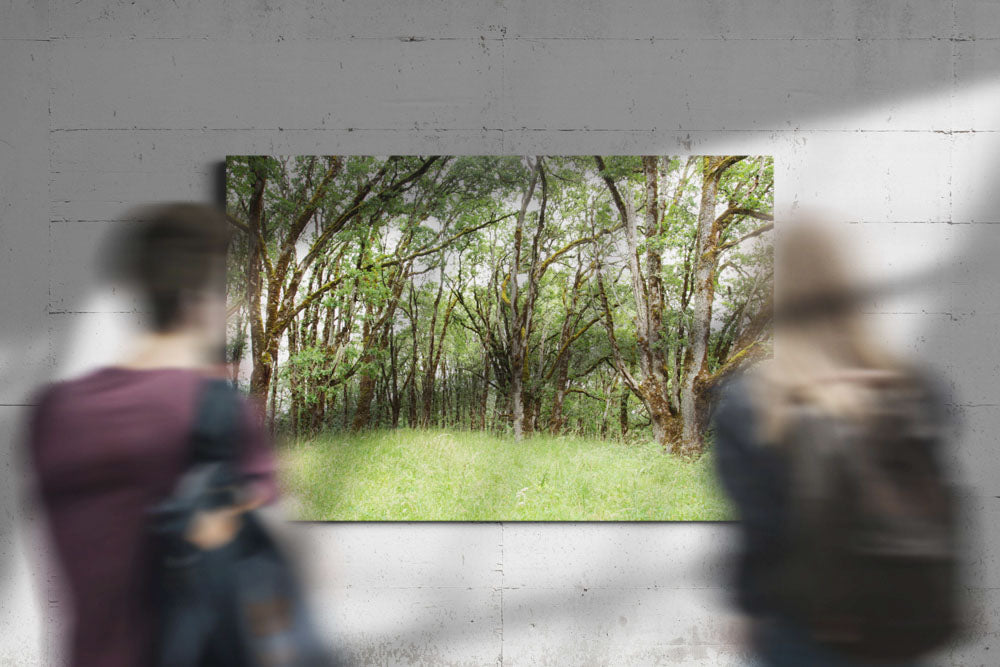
[{"x": 442, "y": 475}]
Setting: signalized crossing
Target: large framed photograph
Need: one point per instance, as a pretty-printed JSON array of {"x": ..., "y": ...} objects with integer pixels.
[{"x": 497, "y": 338}]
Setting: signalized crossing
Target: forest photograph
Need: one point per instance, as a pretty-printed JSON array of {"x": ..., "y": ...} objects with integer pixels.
[{"x": 497, "y": 338}]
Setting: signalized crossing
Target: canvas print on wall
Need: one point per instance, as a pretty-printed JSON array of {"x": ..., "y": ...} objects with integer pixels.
[{"x": 497, "y": 338}]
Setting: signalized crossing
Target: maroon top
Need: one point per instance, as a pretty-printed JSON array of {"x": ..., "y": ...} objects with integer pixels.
[{"x": 106, "y": 447}]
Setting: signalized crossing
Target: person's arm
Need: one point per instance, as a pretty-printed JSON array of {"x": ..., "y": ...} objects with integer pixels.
[
  {"x": 36, "y": 452},
  {"x": 750, "y": 474},
  {"x": 212, "y": 529},
  {"x": 256, "y": 459}
]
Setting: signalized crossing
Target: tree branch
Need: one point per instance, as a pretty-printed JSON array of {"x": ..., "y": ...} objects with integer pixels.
[
  {"x": 574, "y": 390},
  {"x": 740, "y": 211},
  {"x": 757, "y": 232},
  {"x": 237, "y": 224},
  {"x": 615, "y": 194},
  {"x": 726, "y": 162}
]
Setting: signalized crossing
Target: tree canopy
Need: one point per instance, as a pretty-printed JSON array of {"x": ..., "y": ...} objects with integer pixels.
[{"x": 600, "y": 295}]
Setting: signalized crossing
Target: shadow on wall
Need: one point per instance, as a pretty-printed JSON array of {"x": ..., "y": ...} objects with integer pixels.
[{"x": 963, "y": 342}]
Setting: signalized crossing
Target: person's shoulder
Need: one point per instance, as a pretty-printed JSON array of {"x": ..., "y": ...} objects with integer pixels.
[
  {"x": 931, "y": 382},
  {"x": 49, "y": 404},
  {"x": 250, "y": 408},
  {"x": 934, "y": 394},
  {"x": 109, "y": 387},
  {"x": 60, "y": 391},
  {"x": 45, "y": 396},
  {"x": 740, "y": 387},
  {"x": 735, "y": 398}
]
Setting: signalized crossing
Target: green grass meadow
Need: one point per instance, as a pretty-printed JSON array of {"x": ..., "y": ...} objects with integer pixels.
[{"x": 443, "y": 475}]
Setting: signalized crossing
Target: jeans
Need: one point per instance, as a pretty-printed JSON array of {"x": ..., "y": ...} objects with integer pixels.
[{"x": 780, "y": 642}]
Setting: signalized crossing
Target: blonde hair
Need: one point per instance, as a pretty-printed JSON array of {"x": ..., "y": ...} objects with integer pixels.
[{"x": 825, "y": 355}]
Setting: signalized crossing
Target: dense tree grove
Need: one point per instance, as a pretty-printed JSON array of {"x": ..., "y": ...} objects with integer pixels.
[{"x": 598, "y": 295}]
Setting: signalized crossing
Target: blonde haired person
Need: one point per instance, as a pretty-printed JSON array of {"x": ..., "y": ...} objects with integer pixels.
[{"x": 796, "y": 431}]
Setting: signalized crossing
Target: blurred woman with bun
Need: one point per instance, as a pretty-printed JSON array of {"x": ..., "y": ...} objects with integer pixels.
[{"x": 830, "y": 453}]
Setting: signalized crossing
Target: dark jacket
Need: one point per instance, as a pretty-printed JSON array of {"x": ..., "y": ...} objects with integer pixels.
[{"x": 756, "y": 479}]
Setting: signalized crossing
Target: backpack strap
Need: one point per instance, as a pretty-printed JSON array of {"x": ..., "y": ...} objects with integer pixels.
[
  {"x": 213, "y": 474},
  {"x": 216, "y": 424},
  {"x": 210, "y": 478}
]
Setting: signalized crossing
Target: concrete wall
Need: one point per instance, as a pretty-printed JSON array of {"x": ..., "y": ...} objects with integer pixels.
[{"x": 887, "y": 111}]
